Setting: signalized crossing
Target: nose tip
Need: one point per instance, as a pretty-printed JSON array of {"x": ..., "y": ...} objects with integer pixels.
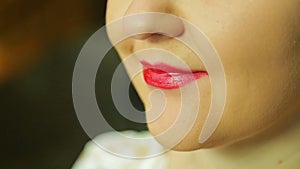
[{"x": 143, "y": 20}]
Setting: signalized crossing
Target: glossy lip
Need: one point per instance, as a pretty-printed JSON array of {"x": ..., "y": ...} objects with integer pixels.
[{"x": 168, "y": 77}]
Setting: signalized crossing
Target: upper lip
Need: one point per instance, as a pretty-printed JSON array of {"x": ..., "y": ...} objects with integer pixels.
[{"x": 168, "y": 68}]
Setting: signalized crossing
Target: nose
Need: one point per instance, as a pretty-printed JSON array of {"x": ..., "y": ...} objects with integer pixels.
[{"x": 150, "y": 17}]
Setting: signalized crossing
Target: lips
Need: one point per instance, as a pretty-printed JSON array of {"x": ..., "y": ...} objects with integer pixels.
[{"x": 167, "y": 77}]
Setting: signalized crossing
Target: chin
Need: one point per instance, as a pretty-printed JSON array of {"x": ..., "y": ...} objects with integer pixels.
[{"x": 188, "y": 143}]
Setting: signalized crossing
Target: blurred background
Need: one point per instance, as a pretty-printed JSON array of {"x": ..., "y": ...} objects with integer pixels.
[{"x": 39, "y": 44}]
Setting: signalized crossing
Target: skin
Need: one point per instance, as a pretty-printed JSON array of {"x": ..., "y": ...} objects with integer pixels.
[
  {"x": 239, "y": 51},
  {"x": 258, "y": 44}
]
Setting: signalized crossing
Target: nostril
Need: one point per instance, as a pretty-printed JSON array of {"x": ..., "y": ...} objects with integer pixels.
[
  {"x": 153, "y": 36},
  {"x": 157, "y": 37},
  {"x": 141, "y": 36},
  {"x": 142, "y": 26}
]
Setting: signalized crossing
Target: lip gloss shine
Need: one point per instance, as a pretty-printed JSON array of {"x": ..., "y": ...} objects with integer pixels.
[{"x": 167, "y": 77}]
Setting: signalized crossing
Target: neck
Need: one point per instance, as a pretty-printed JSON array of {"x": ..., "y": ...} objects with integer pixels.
[{"x": 277, "y": 147}]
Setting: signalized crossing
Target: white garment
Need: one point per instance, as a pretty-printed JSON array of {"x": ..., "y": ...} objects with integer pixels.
[{"x": 95, "y": 157}]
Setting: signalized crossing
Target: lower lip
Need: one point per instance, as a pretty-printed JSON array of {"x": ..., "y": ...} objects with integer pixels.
[{"x": 159, "y": 76}]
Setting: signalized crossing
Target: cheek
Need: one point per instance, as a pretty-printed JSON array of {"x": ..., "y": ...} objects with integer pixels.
[
  {"x": 258, "y": 72},
  {"x": 255, "y": 51},
  {"x": 115, "y": 9}
]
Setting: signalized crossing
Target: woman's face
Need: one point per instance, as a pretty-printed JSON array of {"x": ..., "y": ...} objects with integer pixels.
[{"x": 257, "y": 42}]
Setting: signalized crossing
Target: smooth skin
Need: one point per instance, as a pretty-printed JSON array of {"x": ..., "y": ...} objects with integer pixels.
[{"x": 258, "y": 44}]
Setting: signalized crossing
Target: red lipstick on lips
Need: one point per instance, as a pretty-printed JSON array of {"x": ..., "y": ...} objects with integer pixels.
[{"x": 167, "y": 77}]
